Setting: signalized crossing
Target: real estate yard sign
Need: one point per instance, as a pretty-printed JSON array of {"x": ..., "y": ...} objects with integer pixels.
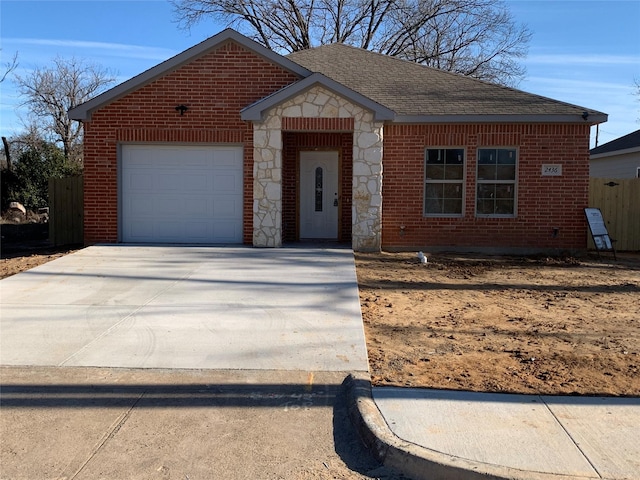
[{"x": 599, "y": 232}]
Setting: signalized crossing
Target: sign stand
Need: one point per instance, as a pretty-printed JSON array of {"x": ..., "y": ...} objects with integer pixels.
[{"x": 599, "y": 232}]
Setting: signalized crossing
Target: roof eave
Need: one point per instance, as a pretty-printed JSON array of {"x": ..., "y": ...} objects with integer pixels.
[
  {"x": 83, "y": 112},
  {"x": 615, "y": 153},
  {"x": 592, "y": 119}
]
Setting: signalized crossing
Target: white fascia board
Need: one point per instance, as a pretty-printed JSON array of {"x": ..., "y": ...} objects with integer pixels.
[
  {"x": 515, "y": 118},
  {"x": 615, "y": 153}
]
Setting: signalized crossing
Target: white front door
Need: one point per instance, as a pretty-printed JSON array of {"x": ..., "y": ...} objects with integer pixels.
[{"x": 319, "y": 198}]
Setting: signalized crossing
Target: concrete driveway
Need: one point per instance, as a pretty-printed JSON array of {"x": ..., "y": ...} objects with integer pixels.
[{"x": 186, "y": 307}]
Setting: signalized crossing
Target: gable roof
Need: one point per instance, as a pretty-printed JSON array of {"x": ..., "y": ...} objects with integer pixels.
[
  {"x": 83, "y": 111},
  {"x": 626, "y": 144},
  {"x": 423, "y": 94},
  {"x": 393, "y": 89},
  {"x": 256, "y": 110}
]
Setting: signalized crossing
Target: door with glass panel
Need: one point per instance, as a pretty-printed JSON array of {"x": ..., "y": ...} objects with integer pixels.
[{"x": 319, "y": 199}]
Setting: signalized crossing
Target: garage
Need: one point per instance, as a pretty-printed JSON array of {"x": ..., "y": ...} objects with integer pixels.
[{"x": 181, "y": 194}]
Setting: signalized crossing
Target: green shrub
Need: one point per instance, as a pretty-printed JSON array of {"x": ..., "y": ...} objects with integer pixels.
[{"x": 28, "y": 183}]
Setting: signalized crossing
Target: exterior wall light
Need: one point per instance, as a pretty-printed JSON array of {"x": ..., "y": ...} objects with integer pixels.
[{"x": 182, "y": 109}]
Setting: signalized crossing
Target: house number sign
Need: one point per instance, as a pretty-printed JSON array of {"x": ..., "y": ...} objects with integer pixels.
[{"x": 551, "y": 170}]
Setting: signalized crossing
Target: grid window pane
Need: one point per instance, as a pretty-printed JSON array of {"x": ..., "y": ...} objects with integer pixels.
[
  {"x": 506, "y": 172},
  {"x": 506, "y": 156},
  {"x": 433, "y": 205},
  {"x": 444, "y": 174},
  {"x": 504, "y": 207},
  {"x": 486, "y": 172},
  {"x": 496, "y": 181},
  {"x": 504, "y": 191},
  {"x": 495, "y": 199},
  {"x": 454, "y": 172},
  {"x": 433, "y": 190},
  {"x": 486, "y": 156},
  {"x": 434, "y": 156},
  {"x": 452, "y": 206},
  {"x": 486, "y": 190},
  {"x": 485, "y": 207},
  {"x": 435, "y": 172},
  {"x": 454, "y": 156},
  {"x": 452, "y": 190}
]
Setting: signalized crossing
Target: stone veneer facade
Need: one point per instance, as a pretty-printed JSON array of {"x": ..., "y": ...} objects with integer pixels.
[{"x": 318, "y": 102}]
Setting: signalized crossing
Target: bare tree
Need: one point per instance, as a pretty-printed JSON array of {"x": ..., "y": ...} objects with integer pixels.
[
  {"x": 51, "y": 91},
  {"x": 636, "y": 91},
  {"x": 30, "y": 138},
  {"x": 8, "y": 67},
  {"x": 478, "y": 38}
]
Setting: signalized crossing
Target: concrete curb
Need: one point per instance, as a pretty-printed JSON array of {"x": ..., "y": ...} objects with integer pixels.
[{"x": 415, "y": 461}]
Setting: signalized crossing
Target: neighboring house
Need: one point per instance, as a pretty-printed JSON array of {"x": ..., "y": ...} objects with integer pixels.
[
  {"x": 619, "y": 158},
  {"x": 229, "y": 142}
]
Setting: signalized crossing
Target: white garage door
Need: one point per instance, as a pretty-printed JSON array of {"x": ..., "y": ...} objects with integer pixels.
[{"x": 181, "y": 194}]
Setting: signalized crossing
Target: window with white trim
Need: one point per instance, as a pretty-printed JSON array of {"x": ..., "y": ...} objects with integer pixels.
[
  {"x": 444, "y": 181},
  {"x": 496, "y": 182}
]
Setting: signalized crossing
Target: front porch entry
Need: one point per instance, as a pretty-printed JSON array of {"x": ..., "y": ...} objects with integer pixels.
[
  {"x": 301, "y": 118},
  {"x": 319, "y": 195}
]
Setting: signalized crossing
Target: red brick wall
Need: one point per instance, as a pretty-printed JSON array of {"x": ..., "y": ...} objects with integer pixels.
[
  {"x": 219, "y": 84},
  {"x": 215, "y": 87},
  {"x": 293, "y": 142},
  {"x": 543, "y": 203}
]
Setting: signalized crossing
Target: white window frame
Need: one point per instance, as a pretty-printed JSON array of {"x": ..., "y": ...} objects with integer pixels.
[
  {"x": 461, "y": 182},
  {"x": 513, "y": 182}
]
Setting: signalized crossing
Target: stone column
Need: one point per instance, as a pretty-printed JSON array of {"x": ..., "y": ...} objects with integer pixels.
[
  {"x": 267, "y": 183},
  {"x": 367, "y": 184}
]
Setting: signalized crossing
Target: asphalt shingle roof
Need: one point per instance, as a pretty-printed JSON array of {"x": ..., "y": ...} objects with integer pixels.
[
  {"x": 393, "y": 89},
  {"x": 631, "y": 140},
  {"x": 411, "y": 89}
]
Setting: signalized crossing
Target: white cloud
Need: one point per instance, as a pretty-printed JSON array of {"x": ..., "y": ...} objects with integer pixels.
[
  {"x": 583, "y": 59},
  {"x": 105, "y": 48},
  {"x": 574, "y": 85}
]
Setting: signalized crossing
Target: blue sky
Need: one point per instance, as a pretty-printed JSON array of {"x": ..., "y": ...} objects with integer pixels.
[{"x": 585, "y": 52}]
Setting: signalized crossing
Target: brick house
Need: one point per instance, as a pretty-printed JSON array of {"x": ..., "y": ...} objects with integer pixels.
[{"x": 229, "y": 142}]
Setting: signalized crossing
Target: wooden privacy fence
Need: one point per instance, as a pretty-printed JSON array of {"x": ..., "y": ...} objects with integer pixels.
[
  {"x": 66, "y": 210},
  {"x": 619, "y": 201}
]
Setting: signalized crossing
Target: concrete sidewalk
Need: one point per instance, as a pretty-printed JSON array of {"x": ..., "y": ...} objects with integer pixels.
[
  {"x": 438, "y": 435},
  {"x": 86, "y": 423}
]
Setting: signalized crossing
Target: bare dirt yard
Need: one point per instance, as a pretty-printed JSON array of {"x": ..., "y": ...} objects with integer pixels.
[
  {"x": 25, "y": 246},
  {"x": 503, "y": 324},
  {"x": 495, "y": 324},
  {"x": 12, "y": 263}
]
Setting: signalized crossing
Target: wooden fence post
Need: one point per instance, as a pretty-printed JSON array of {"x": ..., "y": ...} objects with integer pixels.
[
  {"x": 66, "y": 211},
  {"x": 619, "y": 202}
]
